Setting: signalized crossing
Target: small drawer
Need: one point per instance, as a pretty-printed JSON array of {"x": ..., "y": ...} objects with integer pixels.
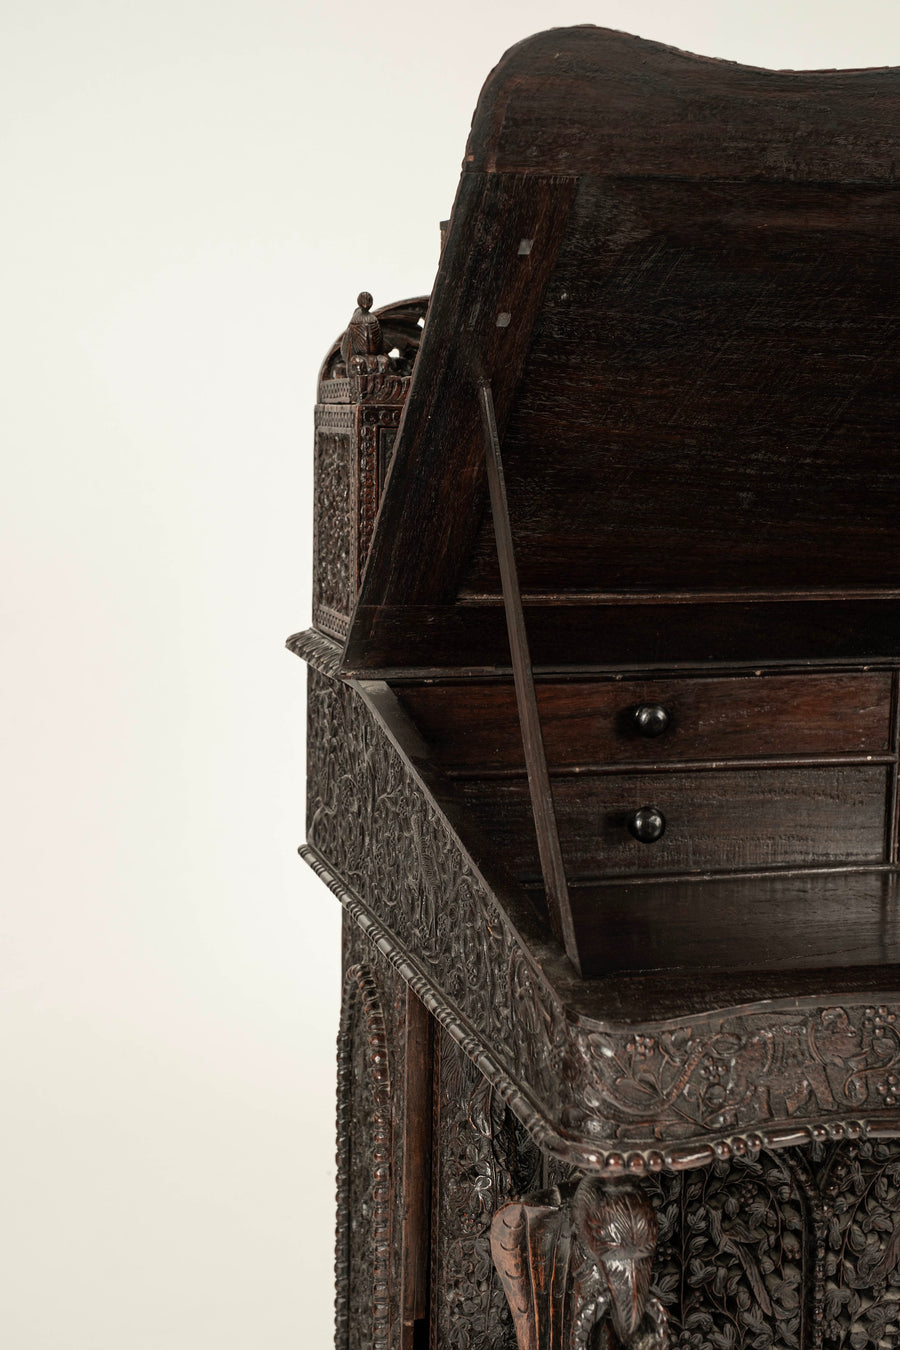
[
  {"x": 658, "y": 721},
  {"x": 724, "y": 820}
]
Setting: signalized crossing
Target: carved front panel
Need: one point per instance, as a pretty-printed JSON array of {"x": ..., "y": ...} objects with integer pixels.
[
  {"x": 860, "y": 1187},
  {"x": 798, "y": 1250},
  {"x": 790, "y": 1251},
  {"x": 732, "y": 1265}
]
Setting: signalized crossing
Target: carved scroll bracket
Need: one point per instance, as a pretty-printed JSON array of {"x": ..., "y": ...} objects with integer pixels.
[{"x": 575, "y": 1263}]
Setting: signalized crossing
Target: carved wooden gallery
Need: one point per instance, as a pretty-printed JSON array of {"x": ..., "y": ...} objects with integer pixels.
[{"x": 603, "y": 723}]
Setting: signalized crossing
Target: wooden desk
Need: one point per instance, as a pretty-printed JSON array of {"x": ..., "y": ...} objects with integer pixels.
[{"x": 603, "y": 748}]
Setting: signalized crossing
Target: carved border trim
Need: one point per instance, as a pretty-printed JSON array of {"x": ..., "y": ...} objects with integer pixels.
[
  {"x": 334, "y": 390},
  {"x": 372, "y": 421},
  {"x": 331, "y": 621},
  {"x": 360, "y": 983},
  {"x": 611, "y": 1164},
  {"x": 317, "y": 650}
]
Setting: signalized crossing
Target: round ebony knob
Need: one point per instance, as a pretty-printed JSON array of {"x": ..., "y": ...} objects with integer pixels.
[
  {"x": 648, "y": 824},
  {"x": 650, "y": 719}
]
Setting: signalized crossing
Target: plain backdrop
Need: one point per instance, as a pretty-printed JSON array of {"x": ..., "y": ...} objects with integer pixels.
[{"x": 194, "y": 193}]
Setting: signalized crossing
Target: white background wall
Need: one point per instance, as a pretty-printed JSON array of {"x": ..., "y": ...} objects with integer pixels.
[{"x": 195, "y": 190}]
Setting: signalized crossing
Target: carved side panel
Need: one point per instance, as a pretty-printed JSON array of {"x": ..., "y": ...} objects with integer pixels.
[
  {"x": 332, "y": 518},
  {"x": 376, "y": 433},
  {"x": 354, "y": 442},
  {"x": 483, "y": 1157}
]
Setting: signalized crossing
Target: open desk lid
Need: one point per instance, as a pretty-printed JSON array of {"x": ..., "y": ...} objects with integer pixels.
[{"x": 680, "y": 278}]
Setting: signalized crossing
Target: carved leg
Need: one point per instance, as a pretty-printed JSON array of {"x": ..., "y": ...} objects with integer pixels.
[{"x": 572, "y": 1260}]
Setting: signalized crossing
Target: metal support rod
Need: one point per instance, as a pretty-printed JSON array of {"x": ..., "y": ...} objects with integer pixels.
[{"x": 555, "y": 883}]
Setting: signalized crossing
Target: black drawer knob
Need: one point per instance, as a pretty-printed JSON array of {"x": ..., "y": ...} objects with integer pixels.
[
  {"x": 648, "y": 824},
  {"x": 650, "y": 719}
]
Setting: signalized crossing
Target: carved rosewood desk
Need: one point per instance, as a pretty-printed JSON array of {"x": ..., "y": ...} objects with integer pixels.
[{"x": 603, "y": 711}]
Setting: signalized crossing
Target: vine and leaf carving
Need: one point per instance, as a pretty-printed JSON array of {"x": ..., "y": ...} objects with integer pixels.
[
  {"x": 484, "y": 1156},
  {"x": 794, "y": 1250},
  {"x": 860, "y": 1185},
  {"x": 733, "y": 1240},
  {"x": 787, "y": 1251},
  {"x": 827, "y": 1060}
]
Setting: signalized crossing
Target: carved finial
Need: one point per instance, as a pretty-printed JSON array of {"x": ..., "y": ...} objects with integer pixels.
[{"x": 363, "y": 338}]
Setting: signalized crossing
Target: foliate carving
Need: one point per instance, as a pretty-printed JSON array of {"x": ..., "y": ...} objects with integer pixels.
[
  {"x": 618, "y": 1100},
  {"x": 570, "y": 1260},
  {"x": 733, "y": 1247},
  {"x": 380, "y": 387},
  {"x": 860, "y": 1185},
  {"x": 483, "y": 1156},
  {"x": 364, "y": 1195},
  {"x": 332, "y": 520},
  {"x": 795, "y": 1251},
  {"x": 737, "y": 1071}
]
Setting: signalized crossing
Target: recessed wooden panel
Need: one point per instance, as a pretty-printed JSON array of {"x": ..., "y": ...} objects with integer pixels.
[
  {"x": 476, "y": 726},
  {"x": 728, "y": 820},
  {"x": 710, "y": 398},
  {"x": 829, "y": 921}
]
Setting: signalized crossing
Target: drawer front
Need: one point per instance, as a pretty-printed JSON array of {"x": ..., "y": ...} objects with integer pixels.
[
  {"x": 589, "y": 722},
  {"x": 724, "y": 820}
]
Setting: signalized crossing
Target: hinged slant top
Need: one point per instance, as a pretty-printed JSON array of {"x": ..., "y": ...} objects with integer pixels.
[{"x": 679, "y": 277}]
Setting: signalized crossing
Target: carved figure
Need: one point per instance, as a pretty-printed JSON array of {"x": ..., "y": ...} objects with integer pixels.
[
  {"x": 575, "y": 1263},
  {"x": 362, "y": 346}
]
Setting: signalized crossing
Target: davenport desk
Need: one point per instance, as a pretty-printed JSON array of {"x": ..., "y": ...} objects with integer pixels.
[{"x": 603, "y": 723}]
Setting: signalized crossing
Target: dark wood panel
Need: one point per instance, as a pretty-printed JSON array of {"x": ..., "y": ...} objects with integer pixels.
[
  {"x": 476, "y": 726},
  {"x": 697, "y": 409},
  {"x": 486, "y": 297},
  {"x": 728, "y": 819},
  {"x": 472, "y": 639},
  {"x": 829, "y": 921},
  {"x": 590, "y": 99}
]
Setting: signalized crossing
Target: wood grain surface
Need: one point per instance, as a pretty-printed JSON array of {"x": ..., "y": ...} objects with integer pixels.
[
  {"x": 475, "y": 726},
  {"x": 730, "y": 819},
  {"x": 811, "y": 922}
]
